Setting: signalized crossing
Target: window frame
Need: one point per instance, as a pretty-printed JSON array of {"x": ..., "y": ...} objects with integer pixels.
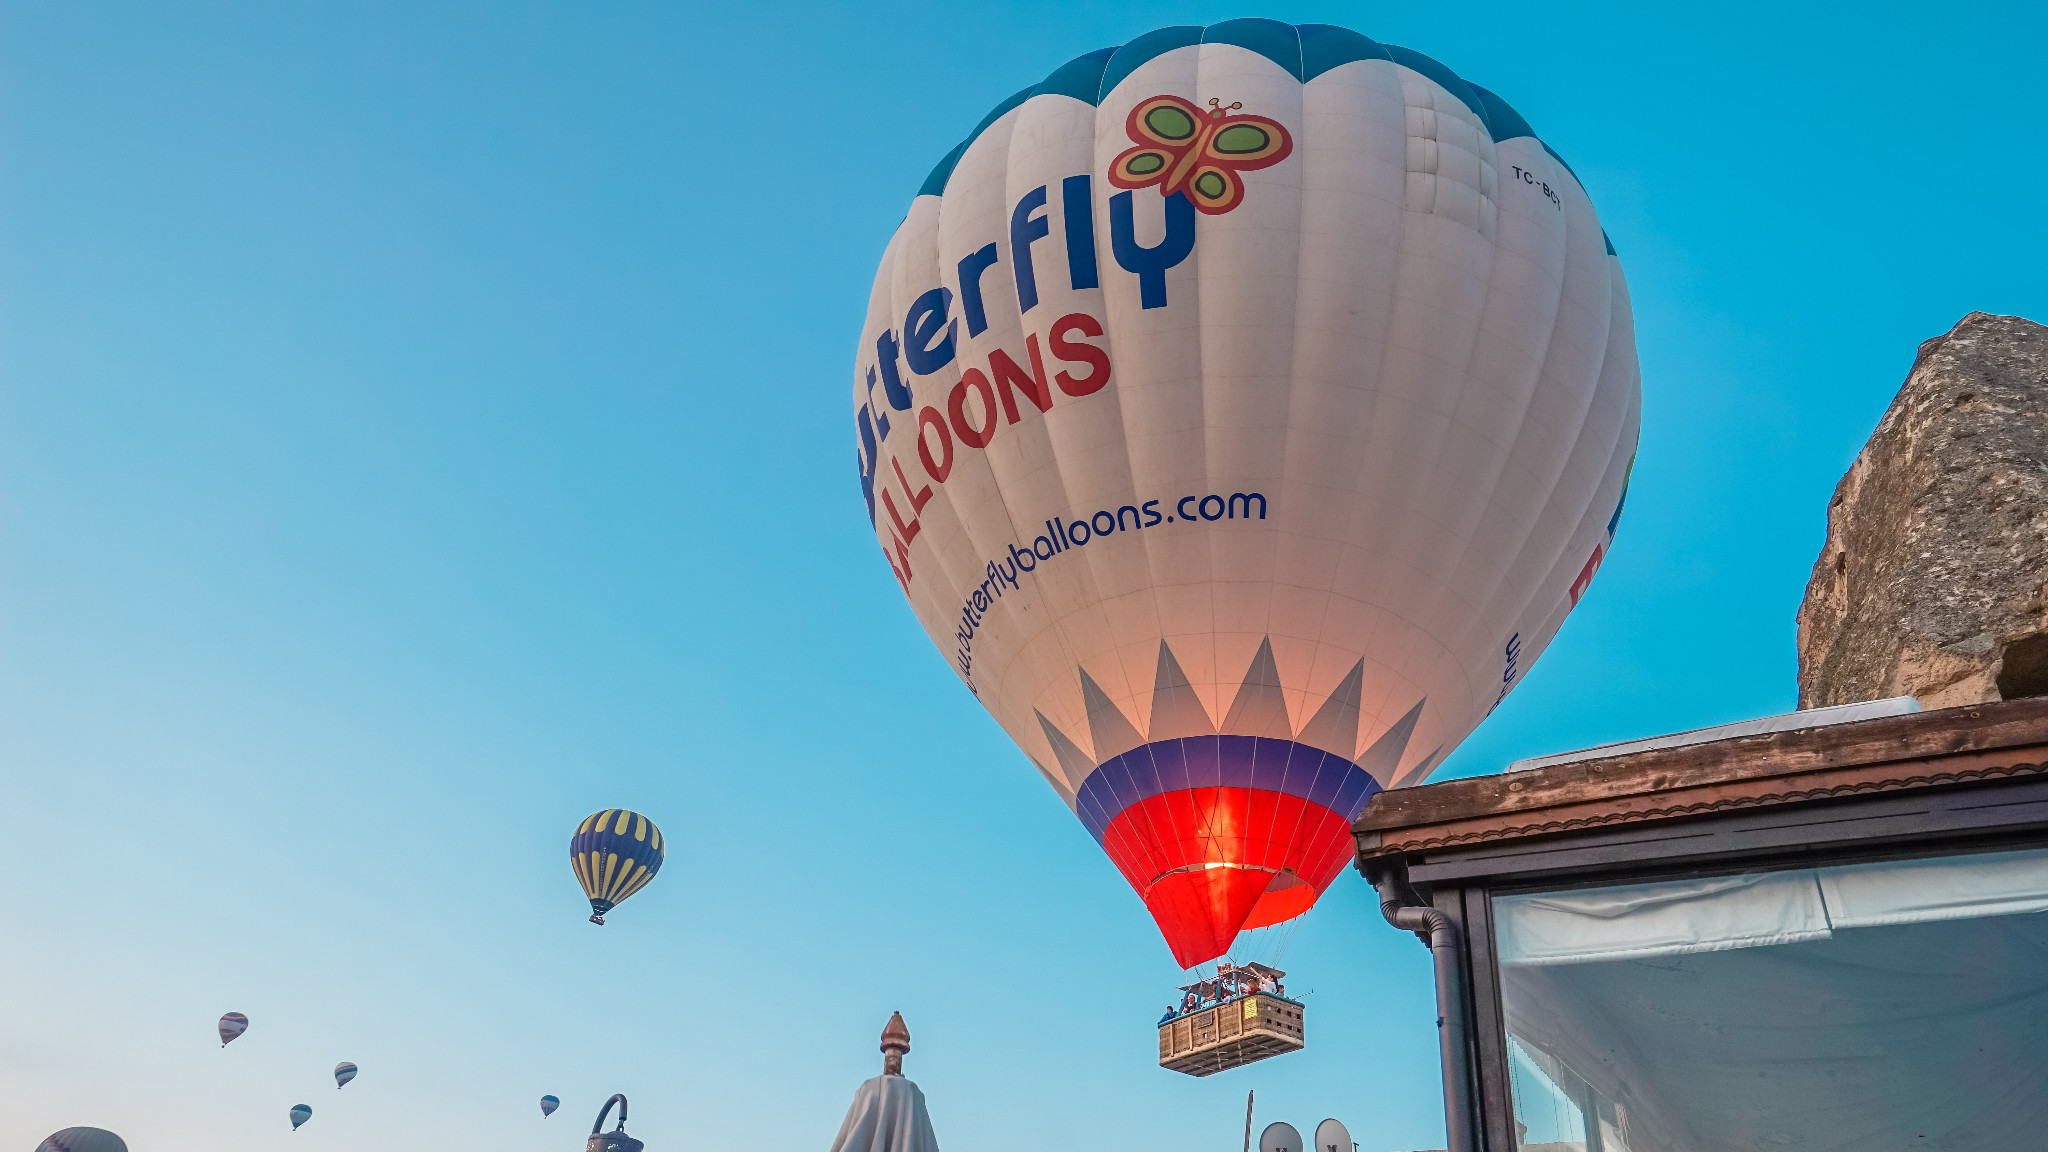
[{"x": 1462, "y": 882}]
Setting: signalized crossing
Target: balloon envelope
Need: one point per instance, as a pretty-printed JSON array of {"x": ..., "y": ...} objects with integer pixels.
[
  {"x": 82, "y": 1140},
  {"x": 300, "y": 1114},
  {"x": 343, "y": 1073},
  {"x": 548, "y": 1104},
  {"x": 615, "y": 853},
  {"x": 232, "y": 1025},
  {"x": 1242, "y": 410}
]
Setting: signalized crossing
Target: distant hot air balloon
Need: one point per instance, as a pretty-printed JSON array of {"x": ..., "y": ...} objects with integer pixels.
[
  {"x": 232, "y": 1025},
  {"x": 300, "y": 1114},
  {"x": 548, "y": 1104},
  {"x": 82, "y": 1140},
  {"x": 615, "y": 853},
  {"x": 1242, "y": 410},
  {"x": 343, "y": 1073}
]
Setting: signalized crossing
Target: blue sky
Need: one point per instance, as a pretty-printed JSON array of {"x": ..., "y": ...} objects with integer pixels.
[{"x": 421, "y": 426}]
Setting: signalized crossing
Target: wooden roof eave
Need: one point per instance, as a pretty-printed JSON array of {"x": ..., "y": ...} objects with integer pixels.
[{"x": 1952, "y": 746}]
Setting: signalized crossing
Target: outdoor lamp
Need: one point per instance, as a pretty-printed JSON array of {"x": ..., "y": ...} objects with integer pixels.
[{"x": 615, "y": 1140}]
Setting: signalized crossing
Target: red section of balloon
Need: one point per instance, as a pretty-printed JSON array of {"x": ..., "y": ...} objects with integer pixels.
[{"x": 1212, "y": 862}]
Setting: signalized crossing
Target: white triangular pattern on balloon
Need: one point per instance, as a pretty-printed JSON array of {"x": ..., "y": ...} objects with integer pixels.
[{"x": 1115, "y": 733}]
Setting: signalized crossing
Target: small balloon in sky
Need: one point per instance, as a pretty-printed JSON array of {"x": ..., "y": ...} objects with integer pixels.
[
  {"x": 82, "y": 1140},
  {"x": 615, "y": 853},
  {"x": 548, "y": 1104},
  {"x": 232, "y": 1025},
  {"x": 300, "y": 1114},
  {"x": 343, "y": 1073}
]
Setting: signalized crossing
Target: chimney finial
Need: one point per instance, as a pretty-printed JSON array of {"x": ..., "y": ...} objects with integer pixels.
[{"x": 895, "y": 1042}]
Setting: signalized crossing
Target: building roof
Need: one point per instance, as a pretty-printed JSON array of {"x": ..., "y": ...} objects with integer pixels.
[
  {"x": 1806, "y": 718},
  {"x": 1889, "y": 754}
]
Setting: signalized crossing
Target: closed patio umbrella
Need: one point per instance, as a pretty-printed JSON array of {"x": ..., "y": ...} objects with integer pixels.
[{"x": 888, "y": 1112}]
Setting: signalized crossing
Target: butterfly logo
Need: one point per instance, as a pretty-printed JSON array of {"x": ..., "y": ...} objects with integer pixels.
[{"x": 1182, "y": 148}]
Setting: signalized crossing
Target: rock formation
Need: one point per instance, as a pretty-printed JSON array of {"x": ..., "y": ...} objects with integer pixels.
[{"x": 1934, "y": 580}]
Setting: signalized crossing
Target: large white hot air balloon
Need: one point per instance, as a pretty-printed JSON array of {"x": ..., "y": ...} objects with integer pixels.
[{"x": 1242, "y": 410}]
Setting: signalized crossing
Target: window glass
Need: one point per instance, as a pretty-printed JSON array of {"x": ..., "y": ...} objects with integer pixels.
[{"x": 1864, "y": 1007}]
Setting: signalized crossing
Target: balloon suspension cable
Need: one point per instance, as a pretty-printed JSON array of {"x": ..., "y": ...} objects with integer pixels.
[
  {"x": 1266, "y": 945},
  {"x": 1287, "y": 931}
]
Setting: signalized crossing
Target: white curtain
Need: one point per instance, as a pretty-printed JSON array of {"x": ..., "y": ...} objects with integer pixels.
[
  {"x": 1672, "y": 918},
  {"x": 1861, "y": 1008},
  {"x": 1637, "y": 921},
  {"x": 1949, "y": 888}
]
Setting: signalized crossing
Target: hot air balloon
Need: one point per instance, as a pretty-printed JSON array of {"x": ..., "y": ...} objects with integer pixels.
[
  {"x": 548, "y": 1104},
  {"x": 82, "y": 1140},
  {"x": 232, "y": 1025},
  {"x": 343, "y": 1073},
  {"x": 1242, "y": 410},
  {"x": 300, "y": 1114},
  {"x": 615, "y": 853}
]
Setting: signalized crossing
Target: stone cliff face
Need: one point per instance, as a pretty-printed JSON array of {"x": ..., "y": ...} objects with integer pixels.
[{"x": 1933, "y": 580}]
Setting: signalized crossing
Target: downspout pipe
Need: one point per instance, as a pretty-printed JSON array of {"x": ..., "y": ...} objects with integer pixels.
[{"x": 1401, "y": 907}]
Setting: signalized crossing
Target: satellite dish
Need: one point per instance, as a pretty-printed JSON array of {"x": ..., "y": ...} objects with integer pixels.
[
  {"x": 1281, "y": 1138},
  {"x": 1332, "y": 1137}
]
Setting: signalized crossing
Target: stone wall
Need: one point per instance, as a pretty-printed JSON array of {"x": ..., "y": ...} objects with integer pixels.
[{"x": 1933, "y": 579}]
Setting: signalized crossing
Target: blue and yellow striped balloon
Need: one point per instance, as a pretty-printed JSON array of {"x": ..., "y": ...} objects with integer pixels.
[{"x": 615, "y": 853}]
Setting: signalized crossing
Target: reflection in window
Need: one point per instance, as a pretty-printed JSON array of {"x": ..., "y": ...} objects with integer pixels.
[
  {"x": 1551, "y": 1117},
  {"x": 1868, "y": 1007}
]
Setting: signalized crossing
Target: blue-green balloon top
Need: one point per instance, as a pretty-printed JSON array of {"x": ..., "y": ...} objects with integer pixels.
[{"x": 1306, "y": 50}]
